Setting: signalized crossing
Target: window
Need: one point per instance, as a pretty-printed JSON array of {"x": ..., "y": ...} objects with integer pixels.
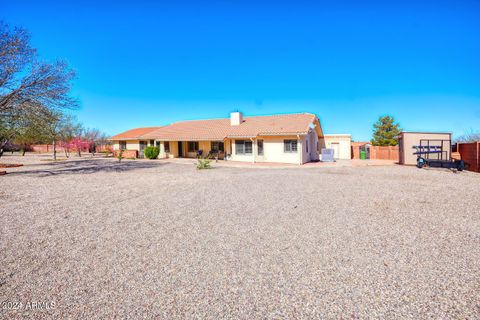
[
  {"x": 217, "y": 146},
  {"x": 157, "y": 144},
  {"x": 306, "y": 144},
  {"x": 192, "y": 146},
  {"x": 290, "y": 145},
  {"x": 243, "y": 147},
  {"x": 152, "y": 143},
  {"x": 123, "y": 145},
  {"x": 260, "y": 147},
  {"x": 167, "y": 146}
]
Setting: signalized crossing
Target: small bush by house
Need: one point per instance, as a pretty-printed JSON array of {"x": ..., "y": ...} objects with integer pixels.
[{"x": 152, "y": 152}]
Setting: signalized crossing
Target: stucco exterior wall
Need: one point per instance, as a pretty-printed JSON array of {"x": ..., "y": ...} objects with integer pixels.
[
  {"x": 131, "y": 145},
  {"x": 273, "y": 149},
  {"x": 341, "y": 143},
  {"x": 310, "y": 140},
  {"x": 173, "y": 149}
]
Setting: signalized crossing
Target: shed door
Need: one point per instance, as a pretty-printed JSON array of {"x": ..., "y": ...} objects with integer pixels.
[{"x": 336, "y": 150}]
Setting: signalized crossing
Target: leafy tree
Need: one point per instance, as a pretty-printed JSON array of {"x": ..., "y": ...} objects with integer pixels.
[
  {"x": 78, "y": 143},
  {"x": 29, "y": 131},
  {"x": 385, "y": 132},
  {"x": 53, "y": 123},
  {"x": 21, "y": 127}
]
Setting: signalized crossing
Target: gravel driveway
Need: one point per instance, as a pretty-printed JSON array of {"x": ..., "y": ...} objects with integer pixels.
[{"x": 99, "y": 239}]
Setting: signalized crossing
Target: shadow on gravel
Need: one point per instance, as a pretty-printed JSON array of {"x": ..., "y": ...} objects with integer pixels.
[{"x": 85, "y": 167}]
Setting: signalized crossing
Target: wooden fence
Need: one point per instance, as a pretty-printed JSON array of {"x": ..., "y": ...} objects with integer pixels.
[
  {"x": 377, "y": 152},
  {"x": 48, "y": 148},
  {"x": 470, "y": 153}
]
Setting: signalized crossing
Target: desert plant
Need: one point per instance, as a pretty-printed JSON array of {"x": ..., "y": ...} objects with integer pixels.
[
  {"x": 151, "y": 152},
  {"x": 120, "y": 155},
  {"x": 203, "y": 164}
]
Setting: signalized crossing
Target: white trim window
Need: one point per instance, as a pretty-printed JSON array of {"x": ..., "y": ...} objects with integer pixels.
[
  {"x": 192, "y": 146},
  {"x": 243, "y": 147},
  {"x": 217, "y": 146},
  {"x": 122, "y": 145},
  {"x": 290, "y": 146}
]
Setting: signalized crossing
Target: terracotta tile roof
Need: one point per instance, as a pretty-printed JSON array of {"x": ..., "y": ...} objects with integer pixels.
[
  {"x": 134, "y": 134},
  {"x": 219, "y": 129}
]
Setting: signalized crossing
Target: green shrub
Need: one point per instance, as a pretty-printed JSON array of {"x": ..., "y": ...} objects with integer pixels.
[
  {"x": 203, "y": 164},
  {"x": 120, "y": 155},
  {"x": 151, "y": 152}
]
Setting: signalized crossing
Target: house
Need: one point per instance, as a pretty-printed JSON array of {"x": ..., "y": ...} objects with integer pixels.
[{"x": 288, "y": 138}]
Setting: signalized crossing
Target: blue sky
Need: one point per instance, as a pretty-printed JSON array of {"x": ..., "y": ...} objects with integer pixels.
[{"x": 142, "y": 63}]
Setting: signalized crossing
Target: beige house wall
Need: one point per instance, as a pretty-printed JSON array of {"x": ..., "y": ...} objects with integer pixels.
[
  {"x": 310, "y": 143},
  {"x": 409, "y": 139},
  {"x": 131, "y": 144},
  {"x": 343, "y": 145},
  {"x": 273, "y": 150}
]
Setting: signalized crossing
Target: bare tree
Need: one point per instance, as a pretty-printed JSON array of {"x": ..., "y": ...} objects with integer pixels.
[
  {"x": 26, "y": 83},
  {"x": 67, "y": 131},
  {"x": 470, "y": 136},
  {"x": 93, "y": 136}
]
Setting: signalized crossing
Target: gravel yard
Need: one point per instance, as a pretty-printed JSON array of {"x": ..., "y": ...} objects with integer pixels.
[{"x": 148, "y": 239}]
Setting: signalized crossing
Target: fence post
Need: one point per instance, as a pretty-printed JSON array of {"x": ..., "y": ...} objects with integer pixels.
[{"x": 478, "y": 156}]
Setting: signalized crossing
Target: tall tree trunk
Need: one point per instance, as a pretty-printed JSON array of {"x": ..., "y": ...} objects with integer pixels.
[
  {"x": 2, "y": 147},
  {"x": 54, "y": 150}
]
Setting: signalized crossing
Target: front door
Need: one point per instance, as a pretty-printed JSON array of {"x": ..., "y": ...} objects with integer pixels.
[
  {"x": 180, "y": 149},
  {"x": 143, "y": 145}
]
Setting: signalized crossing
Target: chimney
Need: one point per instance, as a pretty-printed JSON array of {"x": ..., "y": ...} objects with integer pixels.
[{"x": 236, "y": 118}]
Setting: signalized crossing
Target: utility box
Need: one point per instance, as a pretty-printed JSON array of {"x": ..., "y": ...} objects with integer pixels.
[
  {"x": 407, "y": 141},
  {"x": 328, "y": 155}
]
